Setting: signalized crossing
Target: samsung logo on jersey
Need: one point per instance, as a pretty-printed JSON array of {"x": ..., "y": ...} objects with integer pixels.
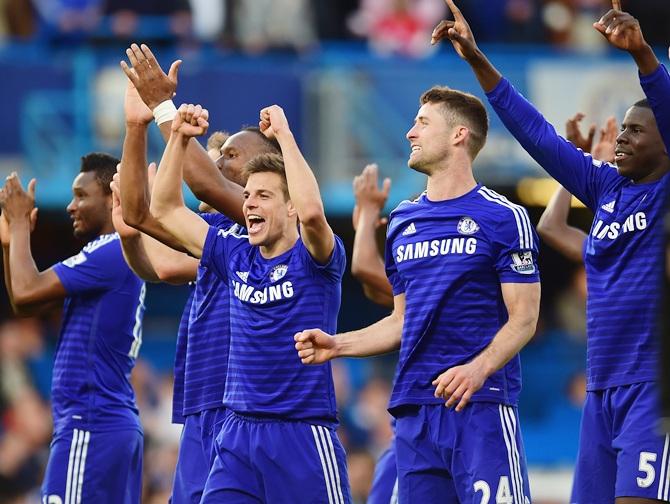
[
  {"x": 433, "y": 248},
  {"x": 635, "y": 222},
  {"x": 248, "y": 294}
]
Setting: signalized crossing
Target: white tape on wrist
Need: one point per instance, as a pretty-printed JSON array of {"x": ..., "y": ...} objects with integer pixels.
[{"x": 164, "y": 112}]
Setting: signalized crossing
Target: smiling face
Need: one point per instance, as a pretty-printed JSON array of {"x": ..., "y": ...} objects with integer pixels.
[
  {"x": 640, "y": 153},
  {"x": 430, "y": 139},
  {"x": 267, "y": 211},
  {"x": 90, "y": 208}
]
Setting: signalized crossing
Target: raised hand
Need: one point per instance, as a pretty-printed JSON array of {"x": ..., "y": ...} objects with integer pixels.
[
  {"x": 368, "y": 195},
  {"x": 191, "y": 120},
  {"x": 315, "y": 346},
  {"x": 4, "y": 226},
  {"x": 574, "y": 134},
  {"x": 273, "y": 121},
  {"x": 604, "y": 149},
  {"x": 135, "y": 110},
  {"x": 621, "y": 29},
  {"x": 153, "y": 85},
  {"x": 457, "y": 31},
  {"x": 15, "y": 202},
  {"x": 124, "y": 230}
]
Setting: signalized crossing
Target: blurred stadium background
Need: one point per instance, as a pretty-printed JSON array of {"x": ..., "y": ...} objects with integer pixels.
[{"x": 349, "y": 74}]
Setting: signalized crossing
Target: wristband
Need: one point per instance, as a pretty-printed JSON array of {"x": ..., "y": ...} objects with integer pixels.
[{"x": 164, "y": 112}]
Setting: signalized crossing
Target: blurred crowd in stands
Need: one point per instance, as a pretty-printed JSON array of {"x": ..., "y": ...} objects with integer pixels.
[{"x": 255, "y": 26}]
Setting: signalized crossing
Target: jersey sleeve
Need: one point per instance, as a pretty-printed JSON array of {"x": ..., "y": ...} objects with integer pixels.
[
  {"x": 96, "y": 269},
  {"x": 215, "y": 251},
  {"x": 396, "y": 281},
  {"x": 216, "y": 219},
  {"x": 515, "y": 248},
  {"x": 333, "y": 270},
  {"x": 656, "y": 87},
  {"x": 577, "y": 171}
]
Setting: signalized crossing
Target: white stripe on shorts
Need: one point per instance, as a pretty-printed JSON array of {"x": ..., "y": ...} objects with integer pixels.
[
  {"x": 508, "y": 423},
  {"x": 331, "y": 463},
  {"x": 513, "y": 417},
  {"x": 73, "y": 449},
  {"x": 323, "y": 464},
  {"x": 331, "y": 449},
  {"x": 394, "y": 495},
  {"x": 80, "y": 483}
]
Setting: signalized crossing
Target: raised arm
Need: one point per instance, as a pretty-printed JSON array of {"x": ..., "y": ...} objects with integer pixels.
[
  {"x": 553, "y": 225},
  {"x": 457, "y": 384},
  {"x": 554, "y": 229},
  {"x": 19, "y": 310},
  {"x": 623, "y": 32},
  {"x": 131, "y": 239},
  {"x": 150, "y": 259},
  {"x": 316, "y": 347},
  {"x": 167, "y": 199},
  {"x": 367, "y": 264},
  {"x": 200, "y": 172},
  {"x": 28, "y": 288},
  {"x": 302, "y": 186},
  {"x": 134, "y": 177},
  {"x": 571, "y": 167}
]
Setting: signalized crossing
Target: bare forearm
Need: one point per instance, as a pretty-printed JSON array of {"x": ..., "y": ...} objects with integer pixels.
[
  {"x": 136, "y": 257},
  {"x": 167, "y": 199},
  {"x": 169, "y": 265},
  {"x": 554, "y": 229},
  {"x": 487, "y": 75},
  {"x": 508, "y": 342},
  {"x": 302, "y": 184},
  {"x": 646, "y": 60},
  {"x": 557, "y": 210},
  {"x": 134, "y": 177},
  {"x": 206, "y": 181},
  {"x": 379, "y": 338},
  {"x": 367, "y": 266},
  {"x": 167, "y": 194},
  {"x": 8, "y": 277},
  {"x": 24, "y": 272}
]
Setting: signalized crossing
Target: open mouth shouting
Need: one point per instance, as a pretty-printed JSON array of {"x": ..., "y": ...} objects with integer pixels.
[{"x": 256, "y": 223}]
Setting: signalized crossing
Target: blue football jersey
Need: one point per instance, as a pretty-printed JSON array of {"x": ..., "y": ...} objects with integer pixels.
[
  {"x": 100, "y": 339},
  {"x": 208, "y": 336},
  {"x": 449, "y": 258},
  {"x": 180, "y": 361},
  {"x": 270, "y": 301},
  {"x": 623, "y": 254}
]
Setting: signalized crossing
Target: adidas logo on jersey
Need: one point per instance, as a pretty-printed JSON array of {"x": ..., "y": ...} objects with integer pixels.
[
  {"x": 609, "y": 207},
  {"x": 409, "y": 230},
  {"x": 244, "y": 275}
]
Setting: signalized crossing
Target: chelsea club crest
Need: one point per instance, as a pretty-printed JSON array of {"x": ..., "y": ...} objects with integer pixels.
[
  {"x": 467, "y": 226},
  {"x": 278, "y": 272}
]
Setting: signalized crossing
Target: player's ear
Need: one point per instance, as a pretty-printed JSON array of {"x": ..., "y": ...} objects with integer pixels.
[
  {"x": 290, "y": 207},
  {"x": 460, "y": 135}
]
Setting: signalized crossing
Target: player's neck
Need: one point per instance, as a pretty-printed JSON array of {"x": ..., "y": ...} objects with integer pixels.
[
  {"x": 451, "y": 182},
  {"x": 283, "y": 244},
  {"x": 108, "y": 228}
]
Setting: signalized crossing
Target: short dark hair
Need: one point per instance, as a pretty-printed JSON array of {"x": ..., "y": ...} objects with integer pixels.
[
  {"x": 460, "y": 107},
  {"x": 644, "y": 103},
  {"x": 268, "y": 163},
  {"x": 104, "y": 167},
  {"x": 271, "y": 144}
]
